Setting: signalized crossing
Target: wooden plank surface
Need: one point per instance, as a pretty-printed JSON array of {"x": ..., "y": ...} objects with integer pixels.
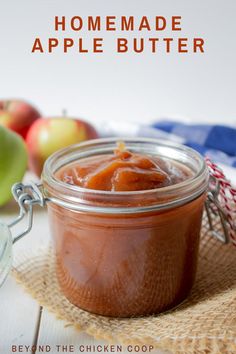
[{"x": 18, "y": 316}]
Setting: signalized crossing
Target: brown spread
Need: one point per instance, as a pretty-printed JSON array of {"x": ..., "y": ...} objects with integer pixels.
[
  {"x": 126, "y": 264},
  {"x": 123, "y": 171}
]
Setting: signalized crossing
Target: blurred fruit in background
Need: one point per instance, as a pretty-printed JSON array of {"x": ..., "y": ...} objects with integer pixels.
[
  {"x": 46, "y": 136},
  {"x": 13, "y": 162},
  {"x": 17, "y": 115}
]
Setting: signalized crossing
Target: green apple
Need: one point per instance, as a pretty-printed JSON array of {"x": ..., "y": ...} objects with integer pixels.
[{"x": 13, "y": 162}]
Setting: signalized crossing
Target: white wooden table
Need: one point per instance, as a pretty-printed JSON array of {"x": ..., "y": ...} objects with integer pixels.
[{"x": 22, "y": 320}]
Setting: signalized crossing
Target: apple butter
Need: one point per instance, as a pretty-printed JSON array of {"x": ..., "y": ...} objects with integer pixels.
[
  {"x": 123, "y": 171},
  {"x": 136, "y": 252}
]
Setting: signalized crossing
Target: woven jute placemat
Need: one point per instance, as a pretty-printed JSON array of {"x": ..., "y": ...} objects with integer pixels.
[{"x": 204, "y": 323}]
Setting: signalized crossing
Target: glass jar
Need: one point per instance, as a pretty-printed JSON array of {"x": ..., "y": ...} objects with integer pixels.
[{"x": 126, "y": 254}]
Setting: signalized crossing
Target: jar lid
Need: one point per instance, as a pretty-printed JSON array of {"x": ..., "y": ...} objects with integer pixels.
[{"x": 5, "y": 251}]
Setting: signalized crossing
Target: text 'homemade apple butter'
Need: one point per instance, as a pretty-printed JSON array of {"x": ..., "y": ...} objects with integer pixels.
[{"x": 126, "y": 263}]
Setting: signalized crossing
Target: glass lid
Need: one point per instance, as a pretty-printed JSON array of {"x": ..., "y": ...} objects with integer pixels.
[{"x": 5, "y": 251}]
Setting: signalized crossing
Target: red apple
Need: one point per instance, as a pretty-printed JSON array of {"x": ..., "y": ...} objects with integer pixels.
[
  {"x": 46, "y": 136},
  {"x": 17, "y": 115}
]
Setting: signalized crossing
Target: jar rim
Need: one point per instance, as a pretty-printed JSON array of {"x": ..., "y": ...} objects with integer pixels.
[{"x": 71, "y": 153}]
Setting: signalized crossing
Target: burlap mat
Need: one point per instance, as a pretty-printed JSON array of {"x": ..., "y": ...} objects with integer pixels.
[{"x": 204, "y": 323}]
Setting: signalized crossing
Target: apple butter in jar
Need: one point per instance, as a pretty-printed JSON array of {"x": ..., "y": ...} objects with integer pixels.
[{"x": 125, "y": 220}]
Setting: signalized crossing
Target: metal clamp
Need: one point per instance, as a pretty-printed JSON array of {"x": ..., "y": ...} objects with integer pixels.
[
  {"x": 214, "y": 208},
  {"x": 26, "y": 195}
]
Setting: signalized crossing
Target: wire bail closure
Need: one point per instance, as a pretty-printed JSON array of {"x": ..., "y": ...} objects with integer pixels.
[{"x": 26, "y": 195}]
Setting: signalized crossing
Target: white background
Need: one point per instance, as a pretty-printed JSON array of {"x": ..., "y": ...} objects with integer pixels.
[{"x": 108, "y": 86}]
